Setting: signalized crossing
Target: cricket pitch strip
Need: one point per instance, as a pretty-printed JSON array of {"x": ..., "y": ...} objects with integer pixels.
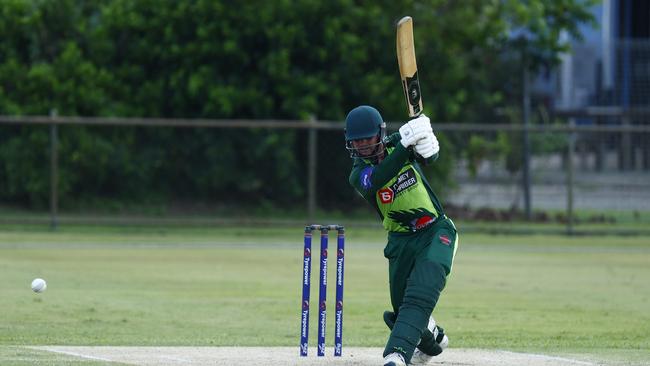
[{"x": 288, "y": 356}]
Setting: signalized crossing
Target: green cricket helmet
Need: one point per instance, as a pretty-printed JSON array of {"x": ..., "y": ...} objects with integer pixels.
[{"x": 361, "y": 123}]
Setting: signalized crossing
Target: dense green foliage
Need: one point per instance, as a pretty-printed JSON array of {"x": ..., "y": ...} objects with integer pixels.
[{"x": 258, "y": 59}]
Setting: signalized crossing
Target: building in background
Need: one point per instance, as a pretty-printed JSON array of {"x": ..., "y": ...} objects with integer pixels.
[{"x": 610, "y": 67}]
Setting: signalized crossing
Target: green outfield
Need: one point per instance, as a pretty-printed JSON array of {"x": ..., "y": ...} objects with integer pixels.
[{"x": 586, "y": 297}]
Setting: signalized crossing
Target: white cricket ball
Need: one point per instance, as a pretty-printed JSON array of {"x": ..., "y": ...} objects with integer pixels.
[{"x": 39, "y": 285}]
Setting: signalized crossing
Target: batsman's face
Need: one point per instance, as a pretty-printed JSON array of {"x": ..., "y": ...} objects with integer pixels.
[{"x": 367, "y": 147}]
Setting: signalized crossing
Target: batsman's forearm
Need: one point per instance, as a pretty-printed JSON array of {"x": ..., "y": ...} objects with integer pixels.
[
  {"x": 428, "y": 161},
  {"x": 390, "y": 166}
]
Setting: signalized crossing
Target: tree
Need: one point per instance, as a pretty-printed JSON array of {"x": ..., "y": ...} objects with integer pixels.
[{"x": 258, "y": 59}]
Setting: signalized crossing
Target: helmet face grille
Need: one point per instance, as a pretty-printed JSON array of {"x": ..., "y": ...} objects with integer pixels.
[{"x": 377, "y": 150}]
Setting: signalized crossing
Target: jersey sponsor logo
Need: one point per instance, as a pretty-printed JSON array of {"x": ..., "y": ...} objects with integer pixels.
[
  {"x": 413, "y": 219},
  {"x": 444, "y": 239},
  {"x": 364, "y": 178},
  {"x": 386, "y": 195},
  {"x": 404, "y": 181},
  {"x": 422, "y": 222}
]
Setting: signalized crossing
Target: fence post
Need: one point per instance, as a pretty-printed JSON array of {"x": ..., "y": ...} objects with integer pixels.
[
  {"x": 526, "y": 143},
  {"x": 312, "y": 158},
  {"x": 569, "y": 179},
  {"x": 54, "y": 172},
  {"x": 626, "y": 147}
]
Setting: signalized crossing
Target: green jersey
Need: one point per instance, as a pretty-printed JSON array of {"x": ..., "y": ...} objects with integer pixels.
[{"x": 397, "y": 188}]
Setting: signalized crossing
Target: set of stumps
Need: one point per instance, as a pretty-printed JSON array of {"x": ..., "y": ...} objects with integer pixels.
[{"x": 322, "y": 294}]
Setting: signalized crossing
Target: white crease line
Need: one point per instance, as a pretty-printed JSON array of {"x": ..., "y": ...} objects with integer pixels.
[
  {"x": 77, "y": 355},
  {"x": 552, "y": 358}
]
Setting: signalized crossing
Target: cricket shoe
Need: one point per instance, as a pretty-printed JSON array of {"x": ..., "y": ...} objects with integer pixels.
[
  {"x": 394, "y": 359},
  {"x": 442, "y": 341}
]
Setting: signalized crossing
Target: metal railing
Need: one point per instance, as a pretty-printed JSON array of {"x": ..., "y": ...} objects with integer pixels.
[{"x": 621, "y": 122}]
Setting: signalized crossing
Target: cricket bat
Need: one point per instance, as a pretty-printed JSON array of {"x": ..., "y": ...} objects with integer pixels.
[{"x": 408, "y": 68}]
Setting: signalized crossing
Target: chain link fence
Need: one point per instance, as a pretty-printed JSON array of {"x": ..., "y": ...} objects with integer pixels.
[{"x": 583, "y": 177}]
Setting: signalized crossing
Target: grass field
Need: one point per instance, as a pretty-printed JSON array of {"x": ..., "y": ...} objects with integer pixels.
[{"x": 584, "y": 297}]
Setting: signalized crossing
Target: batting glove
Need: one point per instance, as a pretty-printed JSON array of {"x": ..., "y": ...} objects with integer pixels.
[
  {"x": 414, "y": 130},
  {"x": 427, "y": 146}
]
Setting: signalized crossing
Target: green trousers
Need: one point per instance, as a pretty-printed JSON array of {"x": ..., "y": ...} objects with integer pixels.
[{"x": 418, "y": 266}]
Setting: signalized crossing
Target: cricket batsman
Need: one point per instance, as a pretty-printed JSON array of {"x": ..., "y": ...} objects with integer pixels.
[{"x": 422, "y": 241}]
